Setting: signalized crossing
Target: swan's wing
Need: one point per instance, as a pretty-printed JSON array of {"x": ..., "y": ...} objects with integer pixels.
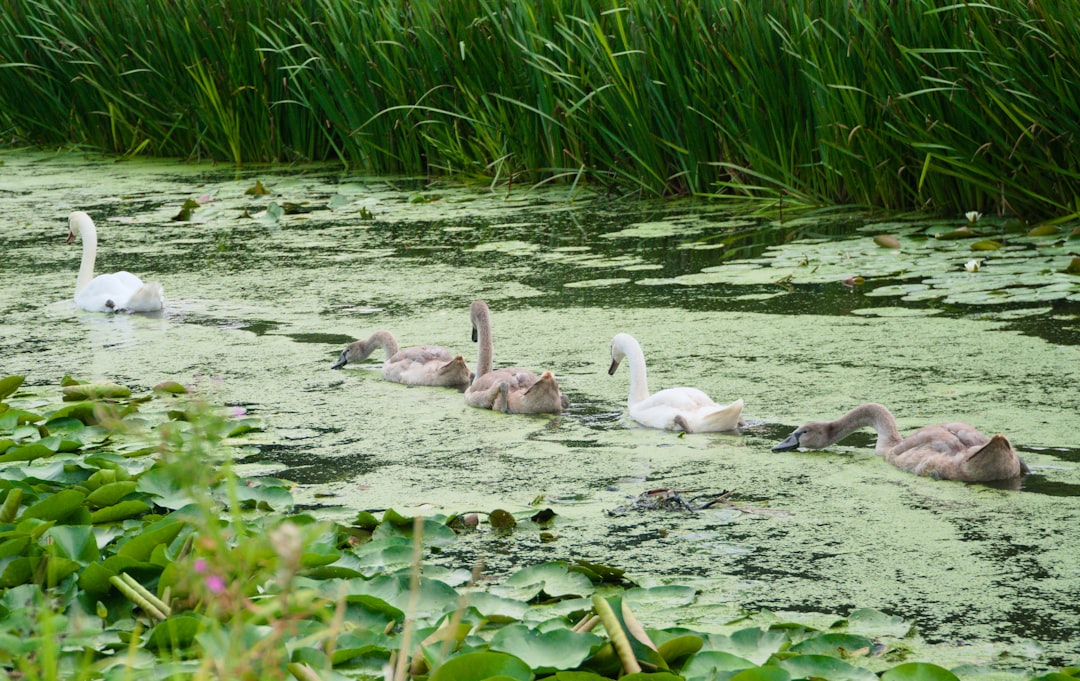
[
  {"x": 542, "y": 397},
  {"x": 422, "y": 354},
  {"x": 484, "y": 389},
  {"x": 429, "y": 365},
  {"x": 715, "y": 419},
  {"x": 681, "y": 399},
  {"x": 996, "y": 460},
  {"x": 147, "y": 298},
  {"x": 108, "y": 292}
]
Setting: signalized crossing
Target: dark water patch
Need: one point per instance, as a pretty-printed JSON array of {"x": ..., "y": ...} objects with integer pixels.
[
  {"x": 321, "y": 338},
  {"x": 1042, "y": 484}
]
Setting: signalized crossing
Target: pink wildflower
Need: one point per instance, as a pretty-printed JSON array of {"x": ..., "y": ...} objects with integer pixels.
[{"x": 216, "y": 583}]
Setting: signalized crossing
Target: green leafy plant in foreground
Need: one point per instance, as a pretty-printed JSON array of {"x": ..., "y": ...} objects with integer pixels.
[{"x": 129, "y": 549}]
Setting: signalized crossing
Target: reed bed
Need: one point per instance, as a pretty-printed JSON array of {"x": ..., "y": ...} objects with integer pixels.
[{"x": 900, "y": 105}]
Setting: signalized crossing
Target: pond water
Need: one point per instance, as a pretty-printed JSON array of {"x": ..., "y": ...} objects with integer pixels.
[{"x": 259, "y": 303}]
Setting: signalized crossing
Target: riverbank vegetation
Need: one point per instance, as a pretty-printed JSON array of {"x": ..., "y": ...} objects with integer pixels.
[
  {"x": 130, "y": 547},
  {"x": 913, "y": 105}
]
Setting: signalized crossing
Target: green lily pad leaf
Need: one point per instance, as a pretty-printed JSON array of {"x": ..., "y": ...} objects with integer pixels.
[
  {"x": 834, "y": 644},
  {"x": 109, "y": 494},
  {"x": 83, "y": 411},
  {"x": 366, "y": 521},
  {"x": 887, "y": 241},
  {"x": 175, "y": 633},
  {"x": 825, "y": 667},
  {"x": 257, "y": 190},
  {"x": 139, "y": 548},
  {"x": 166, "y": 491},
  {"x": 652, "y": 676},
  {"x": 133, "y": 508},
  {"x": 502, "y": 520},
  {"x": 360, "y": 642},
  {"x": 661, "y": 596},
  {"x": 15, "y": 546},
  {"x": 17, "y": 571},
  {"x": 606, "y": 573},
  {"x": 247, "y": 425},
  {"x": 57, "y": 506},
  {"x": 762, "y": 674},
  {"x": 480, "y": 666},
  {"x": 711, "y": 664},
  {"x": 1043, "y": 230},
  {"x": 394, "y": 518},
  {"x": 675, "y": 650},
  {"x": 496, "y": 608},
  {"x": 387, "y": 554},
  {"x": 371, "y": 611},
  {"x": 547, "y": 651},
  {"x": 918, "y": 671},
  {"x": 554, "y": 579},
  {"x": 433, "y": 599},
  {"x": 186, "y": 210},
  {"x": 870, "y": 622},
  {"x": 76, "y": 542},
  {"x": 34, "y": 450},
  {"x": 986, "y": 245},
  {"x": 95, "y": 579},
  {"x": 9, "y": 384},
  {"x": 755, "y": 644},
  {"x": 265, "y": 497},
  {"x": 433, "y": 532},
  {"x": 16, "y": 417},
  {"x": 95, "y": 391},
  {"x": 58, "y": 568},
  {"x": 1074, "y": 266},
  {"x": 171, "y": 387},
  {"x": 964, "y": 232}
]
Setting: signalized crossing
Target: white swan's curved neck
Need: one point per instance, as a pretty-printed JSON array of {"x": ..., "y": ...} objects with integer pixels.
[
  {"x": 86, "y": 269},
  {"x": 639, "y": 379},
  {"x": 873, "y": 415}
]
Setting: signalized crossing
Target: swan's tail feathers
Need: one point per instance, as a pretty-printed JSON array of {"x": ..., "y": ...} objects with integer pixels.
[
  {"x": 147, "y": 298},
  {"x": 728, "y": 417},
  {"x": 543, "y": 397},
  {"x": 996, "y": 460},
  {"x": 456, "y": 372}
]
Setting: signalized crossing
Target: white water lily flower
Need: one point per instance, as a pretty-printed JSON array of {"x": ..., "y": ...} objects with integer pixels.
[
  {"x": 972, "y": 265},
  {"x": 973, "y": 215}
]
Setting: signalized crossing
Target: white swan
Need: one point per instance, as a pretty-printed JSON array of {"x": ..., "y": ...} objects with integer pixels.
[
  {"x": 687, "y": 409},
  {"x": 949, "y": 451},
  {"x": 119, "y": 292},
  {"x": 421, "y": 365},
  {"x": 511, "y": 390}
]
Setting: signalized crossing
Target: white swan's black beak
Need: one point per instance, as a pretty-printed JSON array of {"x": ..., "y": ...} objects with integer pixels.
[
  {"x": 475, "y": 337},
  {"x": 613, "y": 367},
  {"x": 792, "y": 442}
]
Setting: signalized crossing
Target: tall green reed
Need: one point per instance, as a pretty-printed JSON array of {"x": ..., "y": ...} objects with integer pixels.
[{"x": 950, "y": 107}]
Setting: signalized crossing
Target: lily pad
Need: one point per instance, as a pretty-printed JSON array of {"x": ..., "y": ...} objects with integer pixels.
[
  {"x": 824, "y": 667},
  {"x": 95, "y": 391},
  {"x": 554, "y": 579},
  {"x": 918, "y": 671},
  {"x": 548, "y": 651},
  {"x": 9, "y": 384},
  {"x": 482, "y": 665}
]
